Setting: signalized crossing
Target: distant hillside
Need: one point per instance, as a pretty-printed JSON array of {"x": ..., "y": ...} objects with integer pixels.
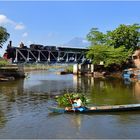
[{"x": 78, "y": 42}]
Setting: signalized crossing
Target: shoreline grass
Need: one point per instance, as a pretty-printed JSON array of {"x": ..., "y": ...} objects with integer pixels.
[{"x": 30, "y": 67}]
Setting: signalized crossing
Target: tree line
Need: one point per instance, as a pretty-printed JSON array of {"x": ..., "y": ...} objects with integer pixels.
[{"x": 113, "y": 47}]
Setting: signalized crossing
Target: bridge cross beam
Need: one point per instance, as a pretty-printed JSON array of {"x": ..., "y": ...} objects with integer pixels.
[
  {"x": 67, "y": 59},
  {"x": 58, "y": 58},
  {"x": 38, "y": 59},
  {"x": 75, "y": 60},
  {"x": 49, "y": 57}
]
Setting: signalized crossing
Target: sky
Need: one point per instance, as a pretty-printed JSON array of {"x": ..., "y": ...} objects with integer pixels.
[{"x": 59, "y": 22}]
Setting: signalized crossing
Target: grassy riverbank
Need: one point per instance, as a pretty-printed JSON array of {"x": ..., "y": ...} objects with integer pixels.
[{"x": 30, "y": 67}]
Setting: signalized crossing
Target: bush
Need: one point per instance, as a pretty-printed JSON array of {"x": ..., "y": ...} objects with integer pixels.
[
  {"x": 69, "y": 69},
  {"x": 3, "y": 62}
]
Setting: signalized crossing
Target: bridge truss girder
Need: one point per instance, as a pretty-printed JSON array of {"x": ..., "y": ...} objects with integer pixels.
[{"x": 29, "y": 55}]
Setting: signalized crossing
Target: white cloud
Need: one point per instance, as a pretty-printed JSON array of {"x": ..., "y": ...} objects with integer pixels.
[
  {"x": 19, "y": 26},
  {"x": 25, "y": 34},
  {"x": 84, "y": 41},
  {"x": 4, "y": 20}
]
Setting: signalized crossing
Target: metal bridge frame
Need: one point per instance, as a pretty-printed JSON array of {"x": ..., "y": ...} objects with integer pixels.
[{"x": 31, "y": 55}]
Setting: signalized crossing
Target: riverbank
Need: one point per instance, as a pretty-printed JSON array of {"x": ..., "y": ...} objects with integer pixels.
[
  {"x": 14, "y": 71},
  {"x": 32, "y": 67},
  {"x": 68, "y": 69},
  {"x": 11, "y": 72}
]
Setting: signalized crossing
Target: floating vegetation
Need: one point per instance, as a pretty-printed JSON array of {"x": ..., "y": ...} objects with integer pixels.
[{"x": 67, "y": 98}]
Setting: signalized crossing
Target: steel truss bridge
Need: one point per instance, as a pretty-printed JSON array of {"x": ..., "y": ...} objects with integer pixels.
[{"x": 59, "y": 55}]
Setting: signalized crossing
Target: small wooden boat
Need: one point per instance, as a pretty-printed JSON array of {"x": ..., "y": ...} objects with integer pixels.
[{"x": 99, "y": 109}]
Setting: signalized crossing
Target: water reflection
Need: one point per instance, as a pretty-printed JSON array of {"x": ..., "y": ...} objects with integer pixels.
[
  {"x": 106, "y": 125},
  {"x": 76, "y": 121},
  {"x": 3, "y": 119},
  {"x": 136, "y": 90},
  {"x": 82, "y": 83},
  {"x": 107, "y": 91},
  {"x": 23, "y": 104},
  {"x": 43, "y": 85},
  {"x": 48, "y": 82},
  {"x": 15, "y": 87}
]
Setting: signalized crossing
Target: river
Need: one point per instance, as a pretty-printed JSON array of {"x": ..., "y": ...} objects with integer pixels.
[{"x": 24, "y": 113}]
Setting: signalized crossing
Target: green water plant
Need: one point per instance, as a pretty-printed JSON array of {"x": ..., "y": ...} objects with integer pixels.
[{"x": 67, "y": 98}]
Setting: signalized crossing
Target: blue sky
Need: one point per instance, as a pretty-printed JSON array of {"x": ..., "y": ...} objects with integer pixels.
[{"x": 57, "y": 22}]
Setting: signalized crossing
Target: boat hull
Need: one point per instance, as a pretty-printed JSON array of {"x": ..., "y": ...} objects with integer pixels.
[{"x": 99, "y": 109}]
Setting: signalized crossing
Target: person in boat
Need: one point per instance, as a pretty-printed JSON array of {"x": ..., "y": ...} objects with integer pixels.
[{"x": 77, "y": 105}]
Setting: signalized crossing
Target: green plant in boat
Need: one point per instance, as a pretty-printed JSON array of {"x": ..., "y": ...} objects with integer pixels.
[{"x": 67, "y": 98}]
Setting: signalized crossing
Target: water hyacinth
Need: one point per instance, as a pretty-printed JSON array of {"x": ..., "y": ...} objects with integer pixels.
[{"x": 67, "y": 98}]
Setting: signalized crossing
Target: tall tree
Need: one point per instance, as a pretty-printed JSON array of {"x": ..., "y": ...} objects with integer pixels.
[
  {"x": 109, "y": 55},
  {"x": 114, "y": 47},
  {"x": 126, "y": 35},
  {"x": 96, "y": 37},
  {"x": 4, "y": 35}
]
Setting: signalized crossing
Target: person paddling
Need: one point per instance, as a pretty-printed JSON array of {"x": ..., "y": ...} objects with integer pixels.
[{"x": 77, "y": 104}]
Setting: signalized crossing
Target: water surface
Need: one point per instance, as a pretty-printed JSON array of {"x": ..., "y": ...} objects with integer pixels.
[{"x": 24, "y": 113}]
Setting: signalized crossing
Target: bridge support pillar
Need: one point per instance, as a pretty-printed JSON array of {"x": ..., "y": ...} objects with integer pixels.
[
  {"x": 83, "y": 69},
  {"x": 75, "y": 69}
]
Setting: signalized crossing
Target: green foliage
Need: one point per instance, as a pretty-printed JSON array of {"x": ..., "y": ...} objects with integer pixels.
[
  {"x": 114, "y": 47},
  {"x": 3, "y": 62},
  {"x": 96, "y": 37},
  {"x": 69, "y": 69},
  {"x": 3, "y": 35},
  {"x": 109, "y": 55},
  {"x": 125, "y": 35},
  {"x": 66, "y": 99}
]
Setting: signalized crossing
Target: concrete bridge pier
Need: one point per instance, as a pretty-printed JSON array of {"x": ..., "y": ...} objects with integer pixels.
[{"x": 83, "y": 69}]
